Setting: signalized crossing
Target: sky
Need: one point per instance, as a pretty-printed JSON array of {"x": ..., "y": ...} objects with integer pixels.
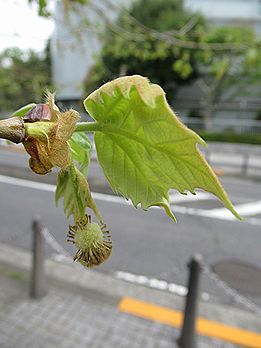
[{"x": 20, "y": 26}]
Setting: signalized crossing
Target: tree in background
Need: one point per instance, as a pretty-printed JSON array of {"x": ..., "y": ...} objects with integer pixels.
[
  {"x": 172, "y": 46},
  {"x": 23, "y": 77},
  {"x": 138, "y": 44}
]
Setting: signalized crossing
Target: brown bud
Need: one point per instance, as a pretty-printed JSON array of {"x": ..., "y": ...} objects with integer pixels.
[
  {"x": 38, "y": 113},
  {"x": 47, "y": 134}
]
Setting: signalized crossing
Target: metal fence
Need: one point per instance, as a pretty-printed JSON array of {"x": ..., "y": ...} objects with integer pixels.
[{"x": 236, "y": 125}]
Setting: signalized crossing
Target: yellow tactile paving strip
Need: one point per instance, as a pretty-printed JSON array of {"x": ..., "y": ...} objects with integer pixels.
[{"x": 204, "y": 327}]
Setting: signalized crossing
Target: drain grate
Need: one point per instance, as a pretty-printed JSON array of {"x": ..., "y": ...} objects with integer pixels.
[{"x": 244, "y": 277}]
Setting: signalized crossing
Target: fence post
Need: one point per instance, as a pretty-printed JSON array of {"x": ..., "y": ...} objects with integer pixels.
[
  {"x": 38, "y": 281},
  {"x": 187, "y": 338}
]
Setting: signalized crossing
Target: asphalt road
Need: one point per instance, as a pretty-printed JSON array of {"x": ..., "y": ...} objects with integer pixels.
[{"x": 149, "y": 243}]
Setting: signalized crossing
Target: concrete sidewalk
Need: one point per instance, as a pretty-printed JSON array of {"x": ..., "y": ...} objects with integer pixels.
[{"x": 81, "y": 310}]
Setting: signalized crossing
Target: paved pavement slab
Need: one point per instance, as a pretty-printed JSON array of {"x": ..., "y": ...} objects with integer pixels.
[
  {"x": 64, "y": 319},
  {"x": 80, "y": 310}
]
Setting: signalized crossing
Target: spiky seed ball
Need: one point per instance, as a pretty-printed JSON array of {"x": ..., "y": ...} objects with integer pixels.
[
  {"x": 93, "y": 241},
  {"x": 87, "y": 237}
]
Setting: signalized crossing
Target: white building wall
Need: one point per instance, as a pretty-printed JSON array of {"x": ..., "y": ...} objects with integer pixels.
[
  {"x": 74, "y": 47},
  {"x": 227, "y": 9}
]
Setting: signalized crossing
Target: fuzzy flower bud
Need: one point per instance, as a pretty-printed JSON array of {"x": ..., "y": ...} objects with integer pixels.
[{"x": 47, "y": 131}]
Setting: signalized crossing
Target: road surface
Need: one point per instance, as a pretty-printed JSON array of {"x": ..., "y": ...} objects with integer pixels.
[{"x": 147, "y": 245}]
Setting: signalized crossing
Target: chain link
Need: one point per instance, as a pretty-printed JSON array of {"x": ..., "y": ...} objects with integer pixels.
[
  {"x": 230, "y": 291},
  {"x": 62, "y": 255},
  {"x": 50, "y": 239}
]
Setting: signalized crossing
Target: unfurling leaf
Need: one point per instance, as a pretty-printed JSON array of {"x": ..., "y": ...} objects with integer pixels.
[
  {"x": 73, "y": 187},
  {"x": 144, "y": 149},
  {"x": 80, "y": 147},
  {"x": 23, "y": 110}
]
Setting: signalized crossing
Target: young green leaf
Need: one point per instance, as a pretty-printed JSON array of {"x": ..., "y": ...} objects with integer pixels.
[
  {"x": 80, "y": 147},
  {"x": 73, "y": 187},
  {"x": 23, "y": 110},
  {"x": 144, "y": 149}
]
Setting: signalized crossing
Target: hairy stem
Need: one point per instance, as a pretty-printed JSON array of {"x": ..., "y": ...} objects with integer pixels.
[
  {"x": 15, "y": 129},
  {"x": 87, "y": 127},
  {"x": 12, "y": 129}
]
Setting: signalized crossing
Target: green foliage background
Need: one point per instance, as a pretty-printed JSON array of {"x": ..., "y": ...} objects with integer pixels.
[
  {"x": 150, "y": 39},
  {"x": 23, "y": 77}
]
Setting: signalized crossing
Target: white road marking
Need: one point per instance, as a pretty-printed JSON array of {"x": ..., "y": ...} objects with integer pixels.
[
  {"x": 100, "y": 196},
  {"x": 110, "y": 198},
  {"x": 246, "y": 209},
  {"x": 221, "y": 213},
  {"x": 156, "y": 284},
  {"x": 251, "y": 208},
  {"x": 27, "y": 183}
]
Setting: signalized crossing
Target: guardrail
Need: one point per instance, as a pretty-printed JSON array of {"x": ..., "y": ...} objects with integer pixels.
[
  {"x": 237, "y": 125},
  {"x": 238, "y": 159}
]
